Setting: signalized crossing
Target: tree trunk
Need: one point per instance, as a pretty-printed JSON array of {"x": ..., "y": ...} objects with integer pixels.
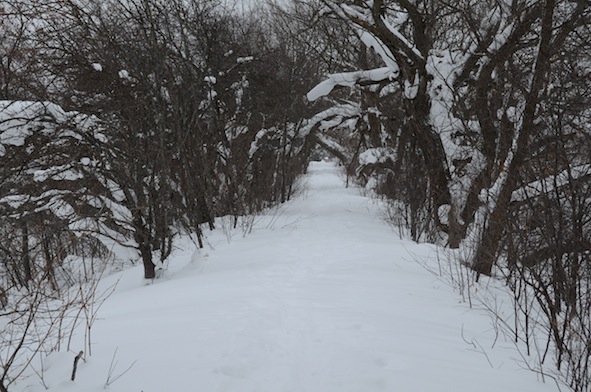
[
  {"x": 142, "y": 238},
  {"x": 490, "y": 246},
  {"x": 149, "y": 267},
  {"x": 433, "y": 152},
  {"x": 26, "y": 258}
]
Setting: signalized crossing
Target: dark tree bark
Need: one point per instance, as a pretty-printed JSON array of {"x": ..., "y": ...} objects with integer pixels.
[{"x": 490, "y": 243}]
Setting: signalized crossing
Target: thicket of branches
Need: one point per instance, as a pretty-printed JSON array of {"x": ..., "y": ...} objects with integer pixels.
[
  {"x": 198, "y": 112},
  {"x": 126, "y": 123},
  {"x": 475, "y": 124}
]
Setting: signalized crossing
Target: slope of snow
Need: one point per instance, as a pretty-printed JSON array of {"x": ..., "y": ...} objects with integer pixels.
[{"x": 322, "y": 296}]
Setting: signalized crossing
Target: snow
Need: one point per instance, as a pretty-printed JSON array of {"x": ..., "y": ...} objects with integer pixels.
[
  {"x": 376, "y": 155},
  {"x": 550, "y": 183},
  {"x": 58, "y": 173},
  {"x": 514, "y": 114},
  {"x": 394, "y": 30},
  {"x": 85, "y": 161},
  {"x": 344, "y": 112},
  {"x": 325, "y": 141},
  {"x": 19, "y": 119},
  {"x": 411, "y": 89},
  {"x": 243, "y": 60},
  {"x": 97, "y": 67},
  {"x": 348, "y": 79},
  {"x": 211, "y": 95},
  {"x": 322, "y": 296},
  {"x": 255, "y": 143},
  {"x": 14, "y": 120},
  {"x": 382, "y": 50}
]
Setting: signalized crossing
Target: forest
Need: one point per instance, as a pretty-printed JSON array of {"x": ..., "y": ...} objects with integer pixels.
[{"x": 125, "y": 124}]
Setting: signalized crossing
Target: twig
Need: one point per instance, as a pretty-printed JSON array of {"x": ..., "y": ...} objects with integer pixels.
[
  {"x": 477, "y": 347},
  {"x": 110, "y": 377},
  {"x": 76, "y": 359}
]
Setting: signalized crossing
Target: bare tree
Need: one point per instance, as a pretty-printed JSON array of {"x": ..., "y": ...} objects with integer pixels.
[
  {"x": 494, "y": 103},
  {"x": 470, "y": 114},
  {"x": 174, "y": 84}
]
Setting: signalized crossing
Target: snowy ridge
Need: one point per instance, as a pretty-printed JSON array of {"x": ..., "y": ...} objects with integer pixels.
[{"x": 321, "y": 297}]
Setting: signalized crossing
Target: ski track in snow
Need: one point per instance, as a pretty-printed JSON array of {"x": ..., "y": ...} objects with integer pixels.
[{"x": 323, "y": 296}]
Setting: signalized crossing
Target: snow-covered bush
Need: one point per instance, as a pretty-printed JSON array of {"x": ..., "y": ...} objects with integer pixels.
[{"x": 55, "y": 196}]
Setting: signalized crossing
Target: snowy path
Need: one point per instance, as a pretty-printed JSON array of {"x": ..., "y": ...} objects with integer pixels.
[{"x": 321, "y": 297}]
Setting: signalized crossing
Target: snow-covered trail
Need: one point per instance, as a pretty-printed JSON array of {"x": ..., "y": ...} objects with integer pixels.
[{"x": 321, "y": 297}]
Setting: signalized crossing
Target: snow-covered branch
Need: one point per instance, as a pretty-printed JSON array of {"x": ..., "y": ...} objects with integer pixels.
[{"x": 350, "y": 79}]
